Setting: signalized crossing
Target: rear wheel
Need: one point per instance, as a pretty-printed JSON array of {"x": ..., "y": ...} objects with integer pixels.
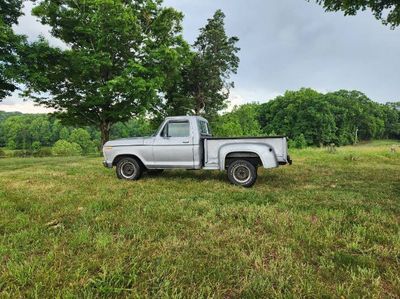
[
  {"x": 129, "y": 169},
  {"x": 242, "y": 173}
]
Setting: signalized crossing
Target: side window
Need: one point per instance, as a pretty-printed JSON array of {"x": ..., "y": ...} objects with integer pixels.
[{"x": 176, "y": 129}]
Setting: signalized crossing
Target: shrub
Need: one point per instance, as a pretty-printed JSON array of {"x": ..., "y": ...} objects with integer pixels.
[
  {"x": 64, "y": 133},
  {"x": 301, "y": 141},
  {"x": 65, "y": 148},
  {"x": 298, "y": 142},
  {"x": 82, "y": 137},
  {"x": 36, "y": 145},
  {"x": 2, "y": 153},
  {"x": 11, "y": 144}
]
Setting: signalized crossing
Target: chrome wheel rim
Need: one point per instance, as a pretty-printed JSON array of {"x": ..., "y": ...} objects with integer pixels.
[
  {"x": 128, "y": 170},
  {"x": 241, "y": 173}
]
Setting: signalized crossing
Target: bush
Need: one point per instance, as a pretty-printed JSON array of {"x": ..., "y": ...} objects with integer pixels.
[
  {"x": 298, "y": 142},
  {"x": 2, "y": 153},
  {"x": 64, "y": 133},
  {"x": 65, "y": 148},
  {"x": 36, "y": 145},
  {"x": 82, "y": 137},
  {"x": 11, "y": 144}
]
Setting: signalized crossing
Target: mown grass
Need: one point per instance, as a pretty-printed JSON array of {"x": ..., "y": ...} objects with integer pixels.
[{"x": 326, "y": 226}]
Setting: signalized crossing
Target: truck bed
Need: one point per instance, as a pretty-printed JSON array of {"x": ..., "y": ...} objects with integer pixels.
[{"x": 213, "y": 144}]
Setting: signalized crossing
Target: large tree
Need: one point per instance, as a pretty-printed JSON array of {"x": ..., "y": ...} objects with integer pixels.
[
  {"x": 117, "y": 57},
  {"x": 388, "y": 11},
  {"x": 300, "y": 112},
  {"x": 204, "y": 83},
  {"x": 10, "y": 44}
]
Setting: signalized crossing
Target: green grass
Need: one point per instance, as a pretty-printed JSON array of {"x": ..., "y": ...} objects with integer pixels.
[{"x": 326, "y": 226}]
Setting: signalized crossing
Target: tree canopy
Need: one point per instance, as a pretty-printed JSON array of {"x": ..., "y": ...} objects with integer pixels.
[
  {"x": 113, "y": 67},
  {"x": 10, "y": 44},
  {"x": 10, "y": 11},
  {"x": 204, "y": 82},
  {"x": 214, "y": 61},
  {"x": 241, "y": 121},
  {"x": 388, "y": 11},
  {"x": 24, "y": 131},
  {"x": 341, "y": 117}
]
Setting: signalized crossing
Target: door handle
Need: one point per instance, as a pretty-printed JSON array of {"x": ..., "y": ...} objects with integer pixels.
[{"x": 186, "y": 141}]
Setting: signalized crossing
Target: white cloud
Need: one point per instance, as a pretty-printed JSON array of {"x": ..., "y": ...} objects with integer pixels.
[
  {"x": 29, "y": 25},
  {"x": 239, "y": 96}
]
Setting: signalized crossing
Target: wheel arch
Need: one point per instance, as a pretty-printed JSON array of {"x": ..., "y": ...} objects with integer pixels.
[
  {"x": 252, "y": 157},
  {"x": 122, "y": 156},
  {"x": 258, "y": 152}
]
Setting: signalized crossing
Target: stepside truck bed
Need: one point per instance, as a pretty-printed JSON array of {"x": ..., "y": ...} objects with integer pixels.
[{"x": 213, "y": 148}]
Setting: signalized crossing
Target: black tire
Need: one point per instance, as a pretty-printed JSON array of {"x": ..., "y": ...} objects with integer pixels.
[
  {"x": 242, "y": 173},
  {"x": 155, "y": 171},
  {"x": 129, "y": 169}
]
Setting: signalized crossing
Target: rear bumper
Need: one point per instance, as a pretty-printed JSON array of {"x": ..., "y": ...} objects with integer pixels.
[
  {"x": 288, "y": 161},
  {"x": 107, "y": 164}
]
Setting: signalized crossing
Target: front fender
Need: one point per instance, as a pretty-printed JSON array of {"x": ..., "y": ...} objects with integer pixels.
[
  {"x": 264, "y": 151},
  {"x": 139, "y": 152}
]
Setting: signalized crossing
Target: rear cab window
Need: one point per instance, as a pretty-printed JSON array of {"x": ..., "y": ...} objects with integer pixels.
[{"x": 204, "y": 128}]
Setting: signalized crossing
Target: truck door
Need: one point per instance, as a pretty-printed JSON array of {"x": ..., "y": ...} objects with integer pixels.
[{"x": 173, "y": 146}]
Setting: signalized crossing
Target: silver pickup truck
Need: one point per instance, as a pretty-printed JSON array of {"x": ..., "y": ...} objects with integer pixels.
[{"x": 185, "y": 142}]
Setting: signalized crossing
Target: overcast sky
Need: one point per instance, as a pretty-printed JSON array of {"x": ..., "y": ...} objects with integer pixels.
[{"x": 285, "y": 45}]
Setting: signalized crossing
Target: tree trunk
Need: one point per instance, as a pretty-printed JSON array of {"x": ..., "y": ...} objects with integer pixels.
[
  {"x": 356, "y": 136},
  {"x": 200, "y": 105},
  {"x": 105, "y": 132}
]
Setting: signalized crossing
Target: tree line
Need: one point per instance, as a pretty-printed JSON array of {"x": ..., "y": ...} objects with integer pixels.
[
  {"x": 307, "y": 117},
  {"x": 36, "y": 133},
  {"x": 310, "y": 118}
]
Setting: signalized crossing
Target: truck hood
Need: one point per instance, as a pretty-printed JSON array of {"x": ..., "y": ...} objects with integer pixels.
[{"x": 127, "y": 141}]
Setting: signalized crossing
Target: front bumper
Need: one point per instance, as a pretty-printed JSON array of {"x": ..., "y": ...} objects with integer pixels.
[{"x": 107, "y": 164}]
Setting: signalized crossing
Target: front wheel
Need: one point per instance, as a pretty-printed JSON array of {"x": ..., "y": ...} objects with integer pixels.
[
  {"x": 242, "y": 173},
  {"x": 129, "y": 169}
]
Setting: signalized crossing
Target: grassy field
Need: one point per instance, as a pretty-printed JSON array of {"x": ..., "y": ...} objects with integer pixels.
[{"x": 329, "y": 225}]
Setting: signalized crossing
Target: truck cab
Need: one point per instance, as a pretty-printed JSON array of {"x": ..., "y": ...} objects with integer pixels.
[{"x": 177, "y": 143}]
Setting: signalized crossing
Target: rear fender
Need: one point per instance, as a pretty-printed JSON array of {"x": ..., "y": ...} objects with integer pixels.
[{"x": 264, "y": 151}]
